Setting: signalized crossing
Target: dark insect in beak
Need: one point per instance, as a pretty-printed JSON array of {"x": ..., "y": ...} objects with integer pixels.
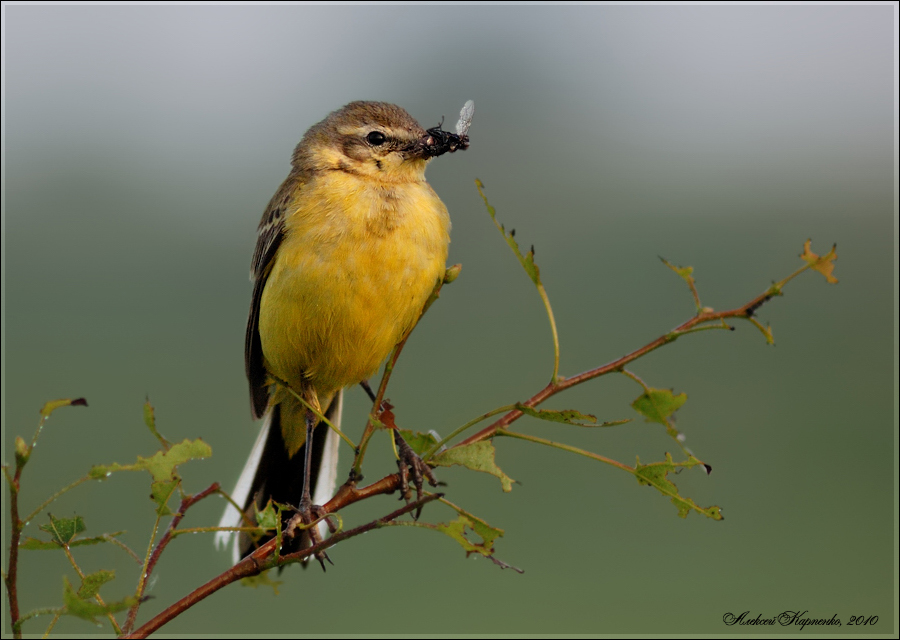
[{"x": 438, "y": 142}]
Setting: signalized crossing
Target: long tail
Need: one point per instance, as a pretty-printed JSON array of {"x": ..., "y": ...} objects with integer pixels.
[{"x": 271, "y": 473}]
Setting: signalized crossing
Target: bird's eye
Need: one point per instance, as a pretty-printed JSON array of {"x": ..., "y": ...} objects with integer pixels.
[{"x": 375, "y": 138}]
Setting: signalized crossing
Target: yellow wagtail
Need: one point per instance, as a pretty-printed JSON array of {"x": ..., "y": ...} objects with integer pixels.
[{"x": 348, "y": 251}]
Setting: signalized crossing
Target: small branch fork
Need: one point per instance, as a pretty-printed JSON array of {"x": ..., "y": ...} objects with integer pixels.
[
  {"x": 186, "y": 503},
  {"x": 266, "y": 556},
  {"x": 697, "y": 323}
]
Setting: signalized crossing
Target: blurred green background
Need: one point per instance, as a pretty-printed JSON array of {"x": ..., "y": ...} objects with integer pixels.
[{"x": 143, "y": 142}]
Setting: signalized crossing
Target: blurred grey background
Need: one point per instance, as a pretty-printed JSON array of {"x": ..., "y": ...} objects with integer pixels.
[{"x": 143, "y": 142}]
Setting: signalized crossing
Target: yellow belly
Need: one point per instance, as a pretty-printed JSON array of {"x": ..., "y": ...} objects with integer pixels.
[{"x": 358, "y": 261}]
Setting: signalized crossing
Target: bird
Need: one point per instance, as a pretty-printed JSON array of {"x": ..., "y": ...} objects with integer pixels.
[{"x": 348, "y": 250}]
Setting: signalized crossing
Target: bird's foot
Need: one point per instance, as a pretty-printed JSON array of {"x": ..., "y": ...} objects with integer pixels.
[
  {"x": 408, "y": 463},
  {"x": 303, "y": 528}
]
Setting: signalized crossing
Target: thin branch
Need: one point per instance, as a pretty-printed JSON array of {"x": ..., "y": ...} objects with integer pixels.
[
  {"x": 186, "y": 503},
  {"x": 97, "y": 596},
  {"x": 262, "y": 559},
  {"x": 56, "y": 495},
  {"x": 16, "y": 526},
  {"x": 745, "y": 311},
  {"x": 464, "y": 427},
  {"x": 565, "y": 447}
]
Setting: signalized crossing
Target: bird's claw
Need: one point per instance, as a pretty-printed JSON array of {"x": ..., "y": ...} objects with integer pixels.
[
  {"x": 304, "y": 528},
  {"x": 410, "y": 462}
]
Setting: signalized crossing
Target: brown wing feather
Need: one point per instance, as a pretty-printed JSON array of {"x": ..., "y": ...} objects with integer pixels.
[{"x": 269, "y": 236}]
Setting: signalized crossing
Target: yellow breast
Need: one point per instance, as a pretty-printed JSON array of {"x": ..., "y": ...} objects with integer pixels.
[{"x": 358, "y": 261}]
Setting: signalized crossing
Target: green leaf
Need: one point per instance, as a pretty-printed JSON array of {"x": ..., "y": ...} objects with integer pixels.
[
  {"x": 62, "y": 530},
  {"x": 268, "y": 517},
  {"x": 485, "y": 531},
  {"x": 658, "y": 404},
  {"x": 161, "y": 467},
  {"x": 421, "y": 443},
  {"x": 160, "y": 492},
  {"x": 162, "y": 464},
  {"x": 53, "y": 405},
  {"x": 34, "y": 544},
  {"x": 262, "y": 580},
  {"x": 150, "y": 421},
  {"x": 822, "y": 264},
  {"x": 92, "y": 582},
  {"x": 684, "y": 272},
  {"x": 87, "y": 609},
  {"x": 567, "y": 416},
  {"x": 456, "y": 529},
  {"x": 478, "y": 456},
  {"x": 527, "y": 260},
  {"x": 654, "y": 474}
]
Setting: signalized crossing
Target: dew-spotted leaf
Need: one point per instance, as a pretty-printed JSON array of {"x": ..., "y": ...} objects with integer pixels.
[{"x": 63, "y": 530}]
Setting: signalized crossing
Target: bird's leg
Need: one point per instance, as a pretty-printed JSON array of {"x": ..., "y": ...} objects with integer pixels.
[
  {"x": 307, "y": 512},
  {"x": 365, "y": 385}
]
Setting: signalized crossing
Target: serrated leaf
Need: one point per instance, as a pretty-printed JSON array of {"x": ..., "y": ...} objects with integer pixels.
[
  {"x": 53, "y": 405},
  {"x": 456, "y": 529},
  {"x": 485, "y": 531},
  {"x": 421, "y": 443},
  {"x": 822, "y": 264},
  {"x": 62, "y": 530},
  {"x": 567, "y": 416},
  {"x": 87, "y": 609},
  {"x": 162, "y": 464},
  {"x": 478, "y": 456},
  {"x": 658, "y": 404},
  {"x": 262, "y": 580},
  {"x": 92, "y": 582},
  {"x": 527, "y": 260},
  {"x": 150, "y": 421},
  {"x": 654, "y": 474},
  {"x": 34, "y": 544}
]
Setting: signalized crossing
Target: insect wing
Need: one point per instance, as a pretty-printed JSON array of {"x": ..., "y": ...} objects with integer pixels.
[{"x": 465, "y": 118}]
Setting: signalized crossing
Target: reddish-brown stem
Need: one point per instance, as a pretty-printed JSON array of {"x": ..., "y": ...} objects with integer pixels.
[
  {"x": 562, "y": 384},
  {"x": 186, "y": 503},
  {"x": 261, "y": 559},
  {"x": 12, "y": 570}
]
